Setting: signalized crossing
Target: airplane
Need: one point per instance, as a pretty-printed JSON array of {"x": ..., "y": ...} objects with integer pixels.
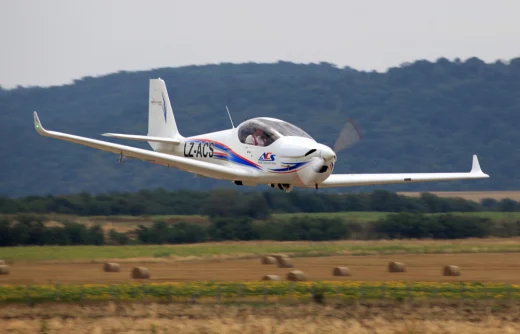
[{"x": 259, "y": 151}]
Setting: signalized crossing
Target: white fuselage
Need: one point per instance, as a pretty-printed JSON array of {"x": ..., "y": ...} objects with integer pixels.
[{"x": 270, "y": 164}]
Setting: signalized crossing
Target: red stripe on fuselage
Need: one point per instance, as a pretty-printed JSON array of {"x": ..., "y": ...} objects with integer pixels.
[{"x": 227, "y": 147}]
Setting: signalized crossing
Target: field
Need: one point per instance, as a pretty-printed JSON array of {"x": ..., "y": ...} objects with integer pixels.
[
  {"x": 75, "y": 274},
  {"x": 250, "y": 249},
  {"x": 490, "y": 277},
  {"x": 381, "y": 318},
  {"x": 485, "y": 267},
  {"x": 493, "y": 260}
]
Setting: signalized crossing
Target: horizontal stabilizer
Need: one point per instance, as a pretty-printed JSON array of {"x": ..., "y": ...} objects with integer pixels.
[{"x": 143, "y": 138}]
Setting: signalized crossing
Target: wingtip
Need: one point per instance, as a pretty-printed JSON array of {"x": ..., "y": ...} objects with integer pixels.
[
  {"x": 475, "y": 167},
  {"x": 37, "y": 123}
]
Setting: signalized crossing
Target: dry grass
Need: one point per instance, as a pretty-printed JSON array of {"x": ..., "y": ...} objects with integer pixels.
[
  {"x": 355, "y": 319},
  {"x": 471, "y": 195}
]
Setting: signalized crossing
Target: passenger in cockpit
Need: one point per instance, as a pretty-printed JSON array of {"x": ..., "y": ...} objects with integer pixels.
[{"x": 257, "y": 138}]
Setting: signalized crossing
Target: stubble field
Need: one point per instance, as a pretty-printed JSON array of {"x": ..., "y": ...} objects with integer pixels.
[
  {"x": 481, "y": 267},
  {"x": 382, "y": 318},
  {"x": 485, "y": 260}
]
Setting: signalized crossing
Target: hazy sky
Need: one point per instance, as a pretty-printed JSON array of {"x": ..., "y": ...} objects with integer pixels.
[{"x": 53, "y": 42}]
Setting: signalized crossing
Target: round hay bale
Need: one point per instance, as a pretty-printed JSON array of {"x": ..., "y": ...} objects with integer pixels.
[
  {"x": 268, "y": 260},
  {"x": 140, "y": 272},
  {"x": 111, "y": 267},
  {"x": 4, "y": 270},
  {"x": 284, "y": 262},
  {"x": 271, "y": 278},
  {"x": 341, "y": 271},
  {"x": 279, "y": 256},
  {"x": 396, "y": 267},
  {"x": 451, "y": 271},
  {"x": 296, "y": 275}
]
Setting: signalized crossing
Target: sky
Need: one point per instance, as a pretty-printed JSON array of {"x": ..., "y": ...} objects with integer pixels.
[{"x": 53, "y": 42}]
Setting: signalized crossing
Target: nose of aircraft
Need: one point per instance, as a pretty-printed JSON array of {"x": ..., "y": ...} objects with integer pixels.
[{"x": 327, "y": 153}]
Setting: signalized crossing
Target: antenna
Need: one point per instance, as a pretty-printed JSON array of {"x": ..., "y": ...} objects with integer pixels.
[{"x": 230, "y": 117}]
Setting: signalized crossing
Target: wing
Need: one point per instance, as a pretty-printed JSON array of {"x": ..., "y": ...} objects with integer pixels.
[
  {"x": 193, "y": 166},
  {"x": 345, "y": 180}
]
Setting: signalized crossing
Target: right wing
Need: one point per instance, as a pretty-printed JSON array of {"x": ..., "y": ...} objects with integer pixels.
[
  {"x": 190, "y": 165},
  {"x": 349, "y": 180}
]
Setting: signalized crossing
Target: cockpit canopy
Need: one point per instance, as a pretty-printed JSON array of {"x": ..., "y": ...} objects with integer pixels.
[{"x": 271, "y": 129}]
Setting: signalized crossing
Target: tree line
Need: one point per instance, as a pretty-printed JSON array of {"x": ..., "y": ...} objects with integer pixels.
[
  {"x": 32, "y": 230},
  {"x": 232, "y": 203}
]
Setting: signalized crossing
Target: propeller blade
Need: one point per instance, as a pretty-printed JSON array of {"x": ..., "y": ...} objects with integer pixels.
[{"x": 349, "y": 135}]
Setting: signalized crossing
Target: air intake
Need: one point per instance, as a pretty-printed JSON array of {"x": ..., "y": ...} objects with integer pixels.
[{"x": 310, "y": 152}]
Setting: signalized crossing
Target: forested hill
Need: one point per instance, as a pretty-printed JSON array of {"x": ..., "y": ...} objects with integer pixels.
[{"x": 419, "y": 117}]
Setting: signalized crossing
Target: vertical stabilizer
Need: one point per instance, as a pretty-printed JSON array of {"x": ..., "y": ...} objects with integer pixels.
[{"x": 161, "y": 122}]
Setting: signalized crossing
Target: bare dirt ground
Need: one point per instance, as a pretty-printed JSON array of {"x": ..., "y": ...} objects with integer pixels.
[
  {"x": 471, "y": 195},
  {"x": 482, "y": 267},
  {"x": 311, "y": 318}
]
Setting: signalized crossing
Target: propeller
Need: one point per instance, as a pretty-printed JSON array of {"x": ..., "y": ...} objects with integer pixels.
[
  {"x": 348, "y": 136},
  {"x": 321, "y": 157}
]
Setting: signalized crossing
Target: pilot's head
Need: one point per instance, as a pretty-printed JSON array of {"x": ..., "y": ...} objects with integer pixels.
[{"x": 258, "y": 132}]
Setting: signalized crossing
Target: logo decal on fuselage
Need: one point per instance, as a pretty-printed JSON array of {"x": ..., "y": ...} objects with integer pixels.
[
  {"x": 267, "y": 157},
  {"x": 198, "y": 149}
]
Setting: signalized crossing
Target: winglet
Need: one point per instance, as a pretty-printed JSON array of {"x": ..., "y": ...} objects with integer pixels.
[
  {"x": 38, "y": 125},
  {"x": 475, "y": 167}
]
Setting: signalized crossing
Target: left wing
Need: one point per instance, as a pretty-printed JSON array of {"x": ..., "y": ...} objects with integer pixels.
[
  {"x": 190, "y": 165},
  {"x": 346, "y": 180}
]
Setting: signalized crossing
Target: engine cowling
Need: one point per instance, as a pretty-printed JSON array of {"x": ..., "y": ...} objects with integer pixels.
[{"x": 316, "y": 172}]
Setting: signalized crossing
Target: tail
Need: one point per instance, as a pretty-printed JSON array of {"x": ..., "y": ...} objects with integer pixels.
[{"x": 161, "y": 122}]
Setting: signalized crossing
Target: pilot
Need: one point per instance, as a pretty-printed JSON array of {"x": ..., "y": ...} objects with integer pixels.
[{"x": 257, "y": 138}]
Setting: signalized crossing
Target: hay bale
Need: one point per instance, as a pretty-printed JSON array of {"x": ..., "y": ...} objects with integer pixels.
[
  {"x": 284, "y": 262},
  {"x": 140, "y": 273},
  {"x": 271, "y": 278},
  {"x": 296, "y": 275},
  {"x": 268, "y": 260},
  {"x": 396, "y": 267},
  {"x": 341, "y": 271},
  {"x": 111, "y": 267},
  {"x": 4, "y": 270},
  {"x": 2, "y": 262},
  {"x": 279, "y": 256},
  {"x": 451, "y": 271}
]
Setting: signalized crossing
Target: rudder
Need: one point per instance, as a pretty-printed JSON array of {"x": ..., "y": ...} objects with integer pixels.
[{"x": 161, "y": 122}]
